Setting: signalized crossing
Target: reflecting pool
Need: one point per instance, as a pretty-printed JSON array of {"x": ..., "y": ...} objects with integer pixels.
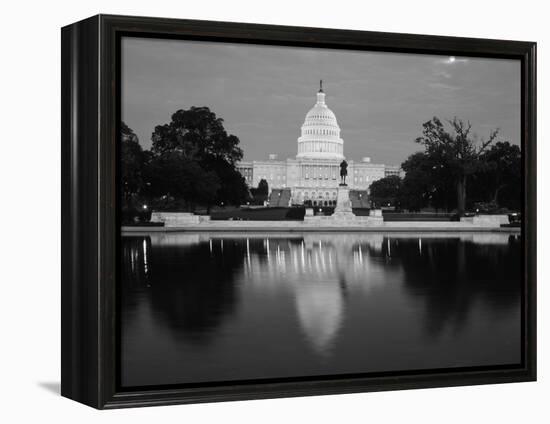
[{"x": 231, "y": 306}]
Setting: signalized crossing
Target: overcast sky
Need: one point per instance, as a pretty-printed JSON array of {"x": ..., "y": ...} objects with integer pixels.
[{"x": 263, "y": 93}]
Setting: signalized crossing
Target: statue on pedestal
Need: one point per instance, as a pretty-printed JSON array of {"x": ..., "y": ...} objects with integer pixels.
[{"x": 343, "y": 172}]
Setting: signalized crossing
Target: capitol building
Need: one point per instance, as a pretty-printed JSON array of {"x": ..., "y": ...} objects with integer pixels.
[{"x": 313, "y": 176}]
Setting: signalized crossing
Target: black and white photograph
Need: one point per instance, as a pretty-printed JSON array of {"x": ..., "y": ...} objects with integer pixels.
[
  {"x": 275, "y": 213},
  {"x": 296, "y": 212}
]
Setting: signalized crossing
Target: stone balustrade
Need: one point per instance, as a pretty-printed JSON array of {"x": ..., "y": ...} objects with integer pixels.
[
  {"x": 486, "y": 220},
  {"x": 176, "y": 219}
]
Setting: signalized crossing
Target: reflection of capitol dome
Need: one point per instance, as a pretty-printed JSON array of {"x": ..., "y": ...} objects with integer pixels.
[
  {"x": 320, "y": 137},
  {"x": 320, "y": 311}
]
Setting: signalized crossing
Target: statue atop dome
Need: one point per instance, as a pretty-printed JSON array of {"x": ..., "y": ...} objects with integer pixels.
[{"x": 321, "y": 86}]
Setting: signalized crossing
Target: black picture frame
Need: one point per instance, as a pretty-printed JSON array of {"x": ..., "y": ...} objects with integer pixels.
[{"x": 90, "y": 230}]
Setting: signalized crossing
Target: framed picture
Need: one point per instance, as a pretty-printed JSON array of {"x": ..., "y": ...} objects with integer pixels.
[{"x": 255, "y": 211}]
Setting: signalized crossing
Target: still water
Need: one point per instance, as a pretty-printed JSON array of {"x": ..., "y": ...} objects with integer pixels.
[{"x": 220, "y": 307}]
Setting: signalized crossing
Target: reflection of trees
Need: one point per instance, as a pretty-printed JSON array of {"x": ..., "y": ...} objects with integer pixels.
[
  {"x": 452, "y": 274},
  {"x": 191, "y": 294}
]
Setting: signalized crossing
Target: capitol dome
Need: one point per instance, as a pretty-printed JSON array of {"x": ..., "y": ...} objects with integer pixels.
[{"x": 320, "y": 137}]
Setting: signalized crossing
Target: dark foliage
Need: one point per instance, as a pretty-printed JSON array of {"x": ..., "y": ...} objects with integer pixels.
[
  {"x": 386, "y": 190},
  {"x": 499, "y": 181},
  {"x": 132, "y": 159},
  {"x": 191, "y": 163},
  {"x": 427, "y": 183},
  {"x": 171, "y": 175},
  {"x": 197, "y": 134},
  {"x": 260, "y": 193},
  {"x": 455, "y": 151},
  {"x": 453, "y": 172}
]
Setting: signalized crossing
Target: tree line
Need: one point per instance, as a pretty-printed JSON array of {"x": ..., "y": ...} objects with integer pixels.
[{"x": 455, "y": 171}]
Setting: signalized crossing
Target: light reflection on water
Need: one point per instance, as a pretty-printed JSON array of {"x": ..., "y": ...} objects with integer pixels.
[{"x": 203, "y": 307}]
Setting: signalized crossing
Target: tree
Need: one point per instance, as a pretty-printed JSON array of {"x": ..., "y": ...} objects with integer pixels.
[
  {"x": 194, "y": 160},
  {"x": 263, "y": 187},
  {"x": 261, "y": 192},
  {"x": 456, "y": 151},
  {"x": 426, "y": 183},
  {"x": 386, "y": 190},
  {"x": 499, "y": 180},
  {"x": 198, "y": 135},
  {"x": 132, "y": 158},
  {"x": 173, "y": 175},
  {"x": 232, "y": 185}
]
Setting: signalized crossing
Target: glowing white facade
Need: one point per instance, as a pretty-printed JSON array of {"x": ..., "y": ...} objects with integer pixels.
[{"x": 314, "y": 174}]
